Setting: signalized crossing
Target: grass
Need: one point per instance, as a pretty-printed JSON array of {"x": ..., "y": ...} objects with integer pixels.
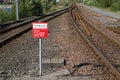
[
  {"x": 106, "y": 9},
  {"x": 56, "y": 7}
]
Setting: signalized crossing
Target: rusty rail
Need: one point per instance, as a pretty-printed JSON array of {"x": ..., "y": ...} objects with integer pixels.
[
  {"x": 101, "y": 56},
  {"x": 110, "y": 38}
]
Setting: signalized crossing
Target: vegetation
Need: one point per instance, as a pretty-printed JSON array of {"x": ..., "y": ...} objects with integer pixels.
[
  {"x": 4, "y": 16},
  {"x": 36, "y": 8},
  {"x": 67, "y": 2},
  {"x": 29, "y": 8},
  {"x": 26, "y": 8},
  {"x": 114, "y": 5}
]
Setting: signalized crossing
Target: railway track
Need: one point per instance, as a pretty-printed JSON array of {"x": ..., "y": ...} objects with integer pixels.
[
  {"x": 14, "y": 24},
  {"x": 106, "y": 50},
  {"x": 18, "y": 28},
  {"x": 115, "y": 29},
  {"x": 100, "y": 26}
]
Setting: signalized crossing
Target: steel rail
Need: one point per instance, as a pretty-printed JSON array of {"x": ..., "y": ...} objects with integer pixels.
[
  {"x": 5, "y": 41},
  {"x": 17, "y": 21},
  {"x": 14, "y": 25},
  {"x": 106, "y": 61}
]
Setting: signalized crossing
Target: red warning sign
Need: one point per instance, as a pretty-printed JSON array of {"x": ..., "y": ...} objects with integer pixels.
[{"x": 39, "y": 30}]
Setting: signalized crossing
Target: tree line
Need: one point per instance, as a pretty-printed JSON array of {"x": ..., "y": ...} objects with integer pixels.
[{"x": 27, "y": 8}]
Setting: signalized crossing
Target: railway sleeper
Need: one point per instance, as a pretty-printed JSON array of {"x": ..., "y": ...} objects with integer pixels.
[
  {"x": 112, "y": 42},
  {"x": 84, "y": 25}
]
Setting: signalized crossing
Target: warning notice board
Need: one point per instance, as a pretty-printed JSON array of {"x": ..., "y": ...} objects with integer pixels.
[{"x": 39, "y": 30}]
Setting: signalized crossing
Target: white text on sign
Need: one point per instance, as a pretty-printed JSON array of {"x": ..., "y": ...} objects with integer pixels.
[
  {"x": 39, "y": 30},
  {"x": 40, "y": 26}
]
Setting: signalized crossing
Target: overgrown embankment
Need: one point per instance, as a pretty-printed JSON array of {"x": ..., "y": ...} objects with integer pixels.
[{"x": 113, "y": 5}]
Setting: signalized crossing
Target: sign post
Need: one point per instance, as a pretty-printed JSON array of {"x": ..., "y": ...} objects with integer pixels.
[
  {"x": 40, "y": 56},
  {"x": 40, "y": 30}
]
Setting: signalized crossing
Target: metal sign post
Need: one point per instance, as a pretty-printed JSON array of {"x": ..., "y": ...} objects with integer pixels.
[
  {"x": 40, "y": 30},
  {"x": 40, "y": 56},
  {"x": 17, "y": 17}
]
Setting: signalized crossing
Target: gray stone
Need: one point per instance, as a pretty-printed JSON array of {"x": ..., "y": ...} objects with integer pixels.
[{"x": 53, "y": 61}]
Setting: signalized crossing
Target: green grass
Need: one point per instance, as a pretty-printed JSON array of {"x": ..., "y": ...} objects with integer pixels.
[
  {"x": 56, "y": 7},
  {"x": 106, "y": 9},
  {"x": 115, "y": 6}
]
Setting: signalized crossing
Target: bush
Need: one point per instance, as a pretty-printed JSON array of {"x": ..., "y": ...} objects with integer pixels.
[
  {"x": 4, "y": 16},
  {"x": 115, "y": 6},
  {"x": 107, "y": 3},
  {"x": 99, "y": 3},
  {"x": 36, "y": 8},
  {"x": 91, "y": 3},
  {"x": 66, "y": 3},
  {"x": 95, "y": 4},
  {"x": 78, "y": 1}
]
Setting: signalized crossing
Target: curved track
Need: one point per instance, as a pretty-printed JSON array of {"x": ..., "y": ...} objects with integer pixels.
[{"x": 102, "y": 48}]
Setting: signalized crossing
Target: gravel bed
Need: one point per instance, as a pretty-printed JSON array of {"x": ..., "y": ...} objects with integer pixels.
[
  {"x": 20, "y": 56},
  {"x": 79, "y": 58}
]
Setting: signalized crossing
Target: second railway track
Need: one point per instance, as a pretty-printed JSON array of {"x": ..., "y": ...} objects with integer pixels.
[{"x": 20, "y": 28}]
